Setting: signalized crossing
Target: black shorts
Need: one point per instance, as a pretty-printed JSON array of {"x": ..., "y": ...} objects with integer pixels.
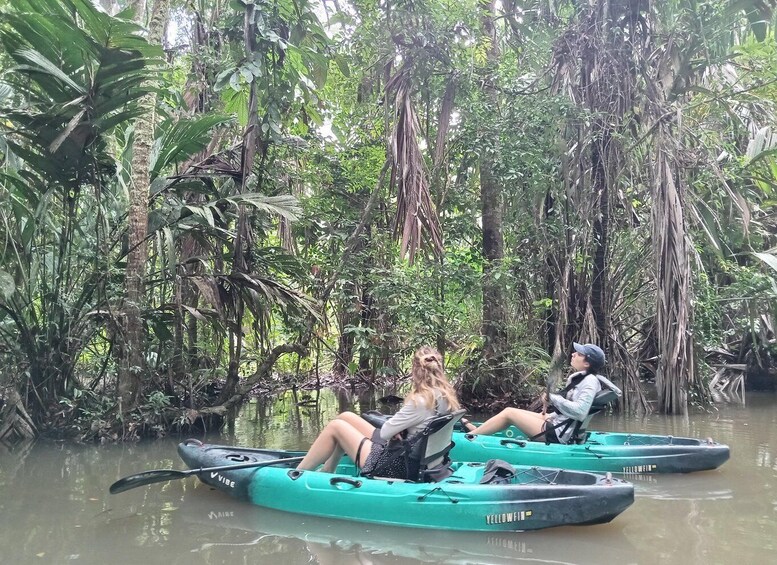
[{"x": 550, "y": 434}]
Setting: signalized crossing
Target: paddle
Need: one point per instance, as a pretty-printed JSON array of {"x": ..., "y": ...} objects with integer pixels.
[
  {"x": 554, "y": 374},
  {"x": 162, "y": 475}
]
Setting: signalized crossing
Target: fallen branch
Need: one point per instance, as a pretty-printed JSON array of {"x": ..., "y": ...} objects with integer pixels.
[{"x": 262, "y": 372}]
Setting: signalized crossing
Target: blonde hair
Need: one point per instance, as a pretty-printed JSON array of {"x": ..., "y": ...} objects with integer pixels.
[{"x": 428, "y": 377}]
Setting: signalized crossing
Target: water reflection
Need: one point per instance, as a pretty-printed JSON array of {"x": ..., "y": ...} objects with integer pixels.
[
  {"x": 55, "y": 507},
  {"x": 709, "y": 485},
  {"x": 333, "y": 541},
  {"x": 729, "y": 396}
]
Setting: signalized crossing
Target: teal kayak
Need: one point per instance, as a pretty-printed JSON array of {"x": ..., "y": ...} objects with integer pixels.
[
  {"x": 295, "y": 538},
  {"x": 600, "y": 452},
  {"x": 534, "y": 498}
]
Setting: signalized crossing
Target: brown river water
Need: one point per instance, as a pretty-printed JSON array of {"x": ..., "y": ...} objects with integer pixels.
[{"x": 55, "y": 507}]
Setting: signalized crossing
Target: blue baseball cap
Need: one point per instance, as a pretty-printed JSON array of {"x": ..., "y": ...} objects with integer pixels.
[{"x": 593, "y": 354}]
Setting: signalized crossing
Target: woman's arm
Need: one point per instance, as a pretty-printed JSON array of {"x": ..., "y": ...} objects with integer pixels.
[{"x": 578, "y": 408}]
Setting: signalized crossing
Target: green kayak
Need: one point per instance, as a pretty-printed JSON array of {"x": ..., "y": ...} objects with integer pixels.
[
  {"x": 614, "y": 452},
  {"x": 532, "y": 499},
  {"x": 294, "y": 538}
]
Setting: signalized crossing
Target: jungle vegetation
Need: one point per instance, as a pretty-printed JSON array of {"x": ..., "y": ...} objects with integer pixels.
[{"x": 202, "y": 199}]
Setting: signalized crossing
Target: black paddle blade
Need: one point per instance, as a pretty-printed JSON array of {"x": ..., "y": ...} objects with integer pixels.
[
  {"x": 162, "y": 475},
  {"x": 147, "y": 478}
]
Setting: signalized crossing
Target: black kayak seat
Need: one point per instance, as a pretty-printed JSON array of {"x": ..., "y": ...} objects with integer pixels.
[
  {"x": 375, "y": 418},
  {"x": 427, "y": 450},
  {"x": 432, "y": 447},
  {"x": 602, "y": 399}
]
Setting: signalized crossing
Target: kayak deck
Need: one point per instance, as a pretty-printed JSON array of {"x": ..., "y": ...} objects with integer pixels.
[{"x": 534, "y": 498}]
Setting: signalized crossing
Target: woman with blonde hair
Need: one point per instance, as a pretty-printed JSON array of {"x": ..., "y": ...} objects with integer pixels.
[{"x": 431, "y": 395}]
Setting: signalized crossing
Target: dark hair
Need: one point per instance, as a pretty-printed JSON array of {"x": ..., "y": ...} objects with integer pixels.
[{"x": 593, "y": 355}]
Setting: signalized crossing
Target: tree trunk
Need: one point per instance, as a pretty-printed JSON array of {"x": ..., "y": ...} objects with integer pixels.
[
  {"x": 367, "y": 318},
  {"x": 493, "y": 327},
  {"x": 348, "y": 316},
  {"x": 15, "y": 424},
  {"x": 132, "y": 365},
  {"x": 243, "y": 229}
]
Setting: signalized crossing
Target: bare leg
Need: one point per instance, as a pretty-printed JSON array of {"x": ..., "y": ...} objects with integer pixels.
[
  {"x": 528, "y": 422},
  {"x": 338, "y": 435},
  {"x": 357, "y": 422},
  {"x": 364, "y": 427},
  {"x": 330, "y": 465}
]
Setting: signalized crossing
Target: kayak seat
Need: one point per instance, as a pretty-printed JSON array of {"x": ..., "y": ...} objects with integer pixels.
[
  {"x": 375, "y": 418},
  {"x": 426, "y": 452},
  {"x": 428, "y": 457},
  {"x": 602, "y": 399}
]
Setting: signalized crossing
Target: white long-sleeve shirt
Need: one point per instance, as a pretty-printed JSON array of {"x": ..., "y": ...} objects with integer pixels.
[{"x": 412, "y": 417}]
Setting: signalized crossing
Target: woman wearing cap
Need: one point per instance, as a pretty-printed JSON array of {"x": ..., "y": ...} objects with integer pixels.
[{"x": 582, "y": 386}]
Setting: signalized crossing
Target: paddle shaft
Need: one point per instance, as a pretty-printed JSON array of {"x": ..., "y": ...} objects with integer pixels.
[
  {"x": 554, "y": 375},
  {"x": 162, "y": 475}
]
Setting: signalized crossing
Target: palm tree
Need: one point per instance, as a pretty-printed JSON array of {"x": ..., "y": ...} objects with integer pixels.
[
  {"x": 132, "y": 365},
  {"x": 633, "y": 68},
  {"x": 79, "y": 75}
]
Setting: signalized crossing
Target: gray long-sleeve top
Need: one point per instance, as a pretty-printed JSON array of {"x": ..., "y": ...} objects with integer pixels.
[{"x": 412, "y": 417}]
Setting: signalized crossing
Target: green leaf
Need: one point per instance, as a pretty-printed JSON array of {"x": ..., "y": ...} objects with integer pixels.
[
  {"x": 342, "y": 64},
  {"x": 237, "y": 102},
  {"x": 182, "y": 139},
  {"x": 41, "y": 64},
  {"x": 247, "y": 75},
  {"x": 222, "y": 79},
  {"x": 285, "y": 205},
  {"x": 768, "y": 258},
  {"x": 234, "y": 81}
]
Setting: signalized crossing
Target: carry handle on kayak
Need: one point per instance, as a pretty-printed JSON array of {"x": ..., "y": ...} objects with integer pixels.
[
  {"x": 518, "y": 442},
  {"x": 162, "y": 475},
  {"x": 355, "y": 483}
]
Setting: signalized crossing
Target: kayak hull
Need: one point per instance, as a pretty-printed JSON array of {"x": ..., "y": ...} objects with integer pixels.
[
  {"x": 218, "y": 515},
  {"x": 613, "y": 452},
  {"x": 537, "y": 498}
]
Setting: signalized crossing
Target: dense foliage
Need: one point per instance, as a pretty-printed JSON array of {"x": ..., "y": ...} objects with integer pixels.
[{"x": 198, "y": 197}]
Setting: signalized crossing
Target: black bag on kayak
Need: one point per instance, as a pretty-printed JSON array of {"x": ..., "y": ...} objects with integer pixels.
[{"x": 497, "y": 472}]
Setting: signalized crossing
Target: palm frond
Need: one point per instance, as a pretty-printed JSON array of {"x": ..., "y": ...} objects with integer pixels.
[
  {"x": 416, "y": 216},
  {"x": 40, "y": 64},
  {"x": 284, "y": 205},
  {"x": 181, "y": 139}
]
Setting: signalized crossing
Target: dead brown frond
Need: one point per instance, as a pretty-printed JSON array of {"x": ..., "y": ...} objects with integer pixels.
[
  {"x": 673, "y": 281},
  {"x": 594, "y": 64},
  {"x": 443, "y": 126},
  {"x": 416, "y": 221}
]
